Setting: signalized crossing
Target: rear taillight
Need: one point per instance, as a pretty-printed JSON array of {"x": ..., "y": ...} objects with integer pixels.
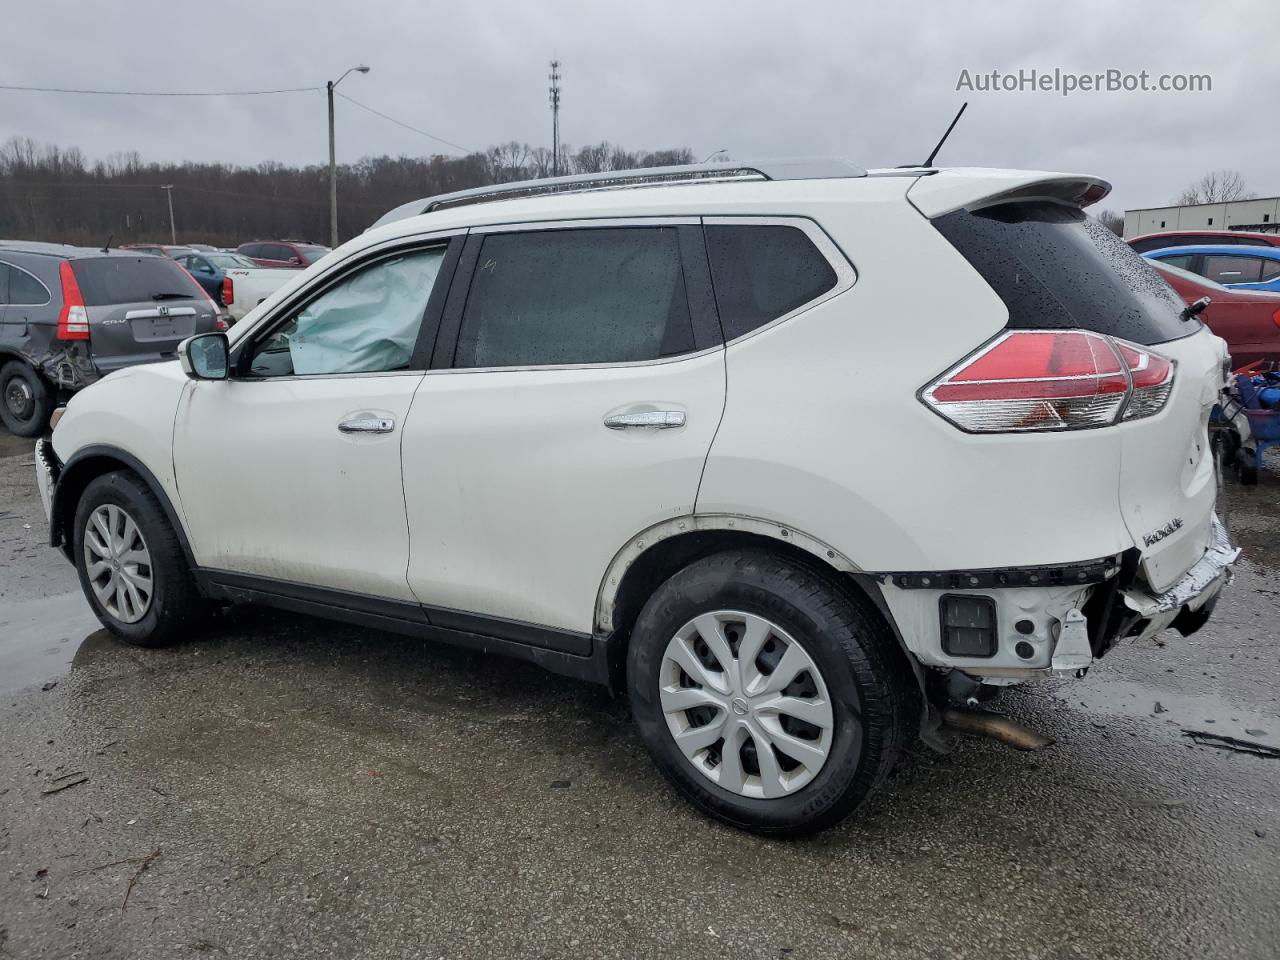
[
  {"x": 220, "y": 325},
  {"x": 1051, "y": 380},
  {"x": 1151, "y": 376},
  {"x": 73, "y": 318},
  {"x": 1275, "y": 318},
  {"x": 228, "y": 292}
]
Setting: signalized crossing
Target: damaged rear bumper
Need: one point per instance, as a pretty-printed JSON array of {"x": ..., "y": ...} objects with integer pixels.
[{"x": 1193, "y": 591}]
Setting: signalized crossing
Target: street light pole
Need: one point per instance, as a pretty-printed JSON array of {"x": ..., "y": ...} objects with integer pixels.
[
  {"x": 333, "y": 162},
  {"x": 173, "y": 232}
]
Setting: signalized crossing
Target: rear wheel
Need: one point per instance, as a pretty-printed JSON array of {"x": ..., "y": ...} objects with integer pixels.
[
  {"x": 772, "y": 698},
  {"x": 25, "y": 400},
  {"x": 131, "y": 564}
]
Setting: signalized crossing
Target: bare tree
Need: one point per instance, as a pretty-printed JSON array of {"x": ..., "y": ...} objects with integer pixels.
[
  {"x": 1216, "y": 186},
  {"x": 1113, "y": 220},
  {"x": 55, "y": 193}
]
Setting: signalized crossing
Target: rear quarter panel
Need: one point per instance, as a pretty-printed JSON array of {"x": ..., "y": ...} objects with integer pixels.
[{"x": 823, "y": 431}]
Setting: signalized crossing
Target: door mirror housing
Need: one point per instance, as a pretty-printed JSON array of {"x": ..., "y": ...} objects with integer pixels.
[
  {"x": 205, "y": 357},
  {"x": 297, "y": 261}
]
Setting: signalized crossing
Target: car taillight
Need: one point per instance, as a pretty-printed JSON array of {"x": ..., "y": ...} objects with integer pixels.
[
  {"x": 73, "y": 318},
  {"x": 1051, "y": 380},
  {"x": 1151, "y": 377},
  {"x": 220, "y": 325},
  {"x": 228, "y": 292},
  {"x": 1275, "y": 318}
]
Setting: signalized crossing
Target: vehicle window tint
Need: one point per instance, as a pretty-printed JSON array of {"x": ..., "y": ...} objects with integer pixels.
[
  {"x": 367, "y": 323},
  {"x": 762, "y": 272},
  {"x": 1055, "y": 267},
  {"x": 1182, "y": 260},
  {"x": 1225, "y": 269},
  {"x": 142, "y": 279},
  {"x": 276, "y": 251},
  {"x": 25, "y": 290},
  {"x": 601, "y": 295},
  {"x": 251, "y": 250},
  {"x": 1270, "y": 269},
  {"x": 4, "y": 283}
]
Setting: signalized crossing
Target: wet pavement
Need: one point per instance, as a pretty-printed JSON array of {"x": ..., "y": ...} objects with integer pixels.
[{"x": 281, "y": 786}]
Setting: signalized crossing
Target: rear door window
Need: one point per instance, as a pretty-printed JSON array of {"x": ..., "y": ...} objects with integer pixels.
[
  {"x": 761, "y": 272},
  {"x": 4, "y": 284},
  {"x": 1224, "y": 269},
  {"x": 25, "y": 290},
  {"x": 1270, "y": 269},
  {"x": 1055, "y": 267},
  {"x": 106, "y": 280},
  {"x": 555, "y": 297}
]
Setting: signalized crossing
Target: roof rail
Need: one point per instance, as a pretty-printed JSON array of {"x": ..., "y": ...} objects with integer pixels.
[{"x": 798, "y": 169}]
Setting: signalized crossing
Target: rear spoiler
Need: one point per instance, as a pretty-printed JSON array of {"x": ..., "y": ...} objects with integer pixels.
[{"x": 974, "y": 188}]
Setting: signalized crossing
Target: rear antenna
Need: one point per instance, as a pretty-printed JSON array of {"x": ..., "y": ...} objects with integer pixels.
[
  {"x": 929, "y": 162},
  {"x": 106, "y": 247}
]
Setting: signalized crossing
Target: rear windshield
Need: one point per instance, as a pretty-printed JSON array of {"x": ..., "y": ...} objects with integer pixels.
[
  {"x": 1055, "y": 267},
  {"x": 106, "y": 280}
]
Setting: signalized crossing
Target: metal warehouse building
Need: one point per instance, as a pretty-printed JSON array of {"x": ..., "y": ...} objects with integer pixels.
[{"x": 1262, "y": 215}]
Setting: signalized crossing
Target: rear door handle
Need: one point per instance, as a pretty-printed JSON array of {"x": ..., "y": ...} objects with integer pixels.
[
  {"x": 367, "y": 425},
  {"x": 653, "y": 419}
]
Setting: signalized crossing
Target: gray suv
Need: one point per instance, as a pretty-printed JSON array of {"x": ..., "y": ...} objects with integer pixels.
[{"x": 69, "y": 316}]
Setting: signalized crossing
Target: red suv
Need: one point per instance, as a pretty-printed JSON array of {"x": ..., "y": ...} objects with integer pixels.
[
  {"x": 1188, "y": 238},
  {"x": 282, "y": 253}
]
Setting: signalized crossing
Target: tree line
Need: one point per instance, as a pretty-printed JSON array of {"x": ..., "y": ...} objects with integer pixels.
[{"x": 56, "y": 194}]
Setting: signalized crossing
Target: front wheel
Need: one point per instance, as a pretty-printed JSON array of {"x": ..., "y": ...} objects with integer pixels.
[
  {"x": 131, "y": 564},
  {"x": 772, "y": 697}
]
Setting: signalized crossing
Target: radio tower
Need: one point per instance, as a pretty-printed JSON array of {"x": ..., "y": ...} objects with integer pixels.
[{"x": 554, "y": 77}]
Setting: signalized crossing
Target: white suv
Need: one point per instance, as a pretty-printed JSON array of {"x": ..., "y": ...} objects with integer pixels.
[{"x": 795, "y": 454}]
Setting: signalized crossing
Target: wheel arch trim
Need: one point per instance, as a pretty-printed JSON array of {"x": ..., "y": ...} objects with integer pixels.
[
  {"x": 81, "y": 462},
  {"x": 647, "y": 539}
]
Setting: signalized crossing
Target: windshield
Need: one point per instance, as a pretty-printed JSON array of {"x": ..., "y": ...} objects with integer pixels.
[
  {"x": 105, "y": 280},
  {"x": 312, "y": 254},
  {"x": 1187, "y": 275},
  {"x": 228, "y": 261}
]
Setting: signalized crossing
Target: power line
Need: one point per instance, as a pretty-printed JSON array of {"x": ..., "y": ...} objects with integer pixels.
[
  {"x": 162, "y": 93},
  {"x": 401, "y": 123}
]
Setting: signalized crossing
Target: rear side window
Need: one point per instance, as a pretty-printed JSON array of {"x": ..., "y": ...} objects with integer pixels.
[
  {"x": 143, "y": 279},
  {"x": 600, "y": 295},
  {"x": 1184, "y": 261},
  {"x": 1054, "y": 267},
  {"x": 1233, "y": 269},
  {"x": 1270, "y": 269},
  {"x": 25, "y": 290},
  {"x": 761, "y": 272}
]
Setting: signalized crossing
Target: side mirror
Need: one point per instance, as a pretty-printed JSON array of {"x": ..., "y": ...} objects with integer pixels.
[
  {"x": 205, "y": 356},
  {"x": 296, "y": 261}
]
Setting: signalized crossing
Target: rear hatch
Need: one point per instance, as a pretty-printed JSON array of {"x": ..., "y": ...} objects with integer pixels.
[
  {"x": 140, "y": 308},
  {"x": 1055, "y": 268}
]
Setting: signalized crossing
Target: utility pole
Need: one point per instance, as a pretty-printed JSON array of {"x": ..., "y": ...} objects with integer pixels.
[
  {"x": 333, "y": 162},
  {"x": 173, "y": 232},
  {"x": 554, "y": 77}
]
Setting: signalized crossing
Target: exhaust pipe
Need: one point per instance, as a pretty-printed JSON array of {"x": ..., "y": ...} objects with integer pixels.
[{"x": 995, "y": 726}]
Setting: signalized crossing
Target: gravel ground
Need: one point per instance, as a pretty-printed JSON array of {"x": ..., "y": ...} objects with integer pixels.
[{"x": 282, "y": 786}]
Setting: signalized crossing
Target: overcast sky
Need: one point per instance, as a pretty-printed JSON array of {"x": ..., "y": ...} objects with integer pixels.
[{"x": 874, "y": 82}]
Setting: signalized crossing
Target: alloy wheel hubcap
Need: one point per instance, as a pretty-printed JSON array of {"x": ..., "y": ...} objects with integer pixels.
[
  {"x": 19, "y": 399},
  {"x": 118, "y": 563},
  {"x": 746, "y": 704}
]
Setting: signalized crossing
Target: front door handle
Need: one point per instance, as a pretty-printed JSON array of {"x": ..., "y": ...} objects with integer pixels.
[
  {"x": 367, "y": 425},
  {"x": 653, "y": 419}
]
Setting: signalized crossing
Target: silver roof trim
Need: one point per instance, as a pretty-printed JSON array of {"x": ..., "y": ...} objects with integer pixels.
[{"x": 816, "y": 168}]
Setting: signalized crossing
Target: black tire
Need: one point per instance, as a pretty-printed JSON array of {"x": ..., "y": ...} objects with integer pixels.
[
  {"x": 176, "y": 607},
  {"x": 848, "y": 640},
  {"x": 26, "y": 402},
  {"x": 1247, "y": 461}
]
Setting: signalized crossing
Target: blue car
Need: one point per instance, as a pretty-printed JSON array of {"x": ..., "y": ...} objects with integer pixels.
[
  {"x": 209, "y": 269},
  {"x": 1253, "y": 268}
]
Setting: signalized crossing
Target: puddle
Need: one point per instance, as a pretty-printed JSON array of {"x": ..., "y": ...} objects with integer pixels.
[
  {"x": 1205, "y": 712},
  {"x": 39, "y": 638}
]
